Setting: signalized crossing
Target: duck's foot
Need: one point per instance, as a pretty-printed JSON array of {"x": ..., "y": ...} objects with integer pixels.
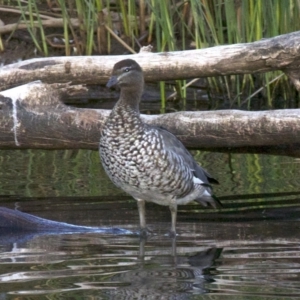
[
  {"x": 145, "y": 232},
  {"x": 172, "y": 234}
]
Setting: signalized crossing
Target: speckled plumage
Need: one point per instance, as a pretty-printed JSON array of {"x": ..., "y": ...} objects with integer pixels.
[{"x": 148, "y": 162}]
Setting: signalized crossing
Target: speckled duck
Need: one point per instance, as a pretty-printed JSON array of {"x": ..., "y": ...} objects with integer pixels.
[{"x": 148, "y": 162}]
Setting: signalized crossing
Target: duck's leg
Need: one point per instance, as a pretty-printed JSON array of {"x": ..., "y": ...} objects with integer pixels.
[
  {"x": 142, "y": 249},
  {"x": 173, "y": 209},
  {"x": 142, "y": 213}
]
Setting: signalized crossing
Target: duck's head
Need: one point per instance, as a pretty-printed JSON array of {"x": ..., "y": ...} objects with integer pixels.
[{"x": 127, "y": 74}]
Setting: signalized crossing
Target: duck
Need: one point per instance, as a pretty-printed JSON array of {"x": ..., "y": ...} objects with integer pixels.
[{"x": 148, "y": 162}]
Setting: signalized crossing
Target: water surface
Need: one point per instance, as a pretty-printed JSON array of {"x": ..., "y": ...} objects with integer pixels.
[{"x": 247, "y": 250}]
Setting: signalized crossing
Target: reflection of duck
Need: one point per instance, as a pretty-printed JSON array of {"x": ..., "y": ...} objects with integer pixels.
[
  {"x": 148, "y": 162},
  {"x": 161, "y": 278}
]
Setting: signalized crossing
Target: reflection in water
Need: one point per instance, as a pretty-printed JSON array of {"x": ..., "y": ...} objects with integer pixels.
[
  {"x": 259, "y": 258},
  {"x": 160, "y": 275},
  {"x": 79, "y": 173},
  {"x": 248, "y": 250},
  {"x": 121, "y": 274}
]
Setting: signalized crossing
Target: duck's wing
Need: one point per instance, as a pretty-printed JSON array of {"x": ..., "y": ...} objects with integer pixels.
[{"x": 172, "y": 143}]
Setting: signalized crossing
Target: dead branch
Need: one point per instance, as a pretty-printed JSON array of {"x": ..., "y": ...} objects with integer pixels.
[
  {"x": 33, "y": 116},
  {"x": 278, "y": 53},
  {"x": 50, "y": 22}
]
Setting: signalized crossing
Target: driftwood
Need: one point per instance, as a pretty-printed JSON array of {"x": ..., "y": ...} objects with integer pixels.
[{"x": 33, "y": 115}]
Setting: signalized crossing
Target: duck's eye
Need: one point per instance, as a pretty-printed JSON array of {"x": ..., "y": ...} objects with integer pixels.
[{"x": 126, "y": 69}]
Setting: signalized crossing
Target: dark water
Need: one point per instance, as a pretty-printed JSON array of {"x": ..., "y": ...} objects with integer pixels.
[{"x": 248, "y": 250}]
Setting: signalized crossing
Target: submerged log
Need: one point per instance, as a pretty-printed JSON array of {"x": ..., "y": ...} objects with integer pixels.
[
  {"x": 33, "y": 116},
  {"x": 16, "y": 220}
]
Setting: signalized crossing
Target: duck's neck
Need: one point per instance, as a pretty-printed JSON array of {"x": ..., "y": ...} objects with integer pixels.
[
  {"x": 130, "y": 99},
  {"x": 125, "y": 116}
]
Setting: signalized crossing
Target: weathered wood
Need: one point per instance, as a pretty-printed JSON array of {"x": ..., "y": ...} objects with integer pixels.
[
  {"x": 33, "y": 116},
  {"x": 50, "y": 22},
  {"x": 278, "y": 53}
]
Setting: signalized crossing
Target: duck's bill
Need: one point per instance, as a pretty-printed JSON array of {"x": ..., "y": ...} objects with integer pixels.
[{"x": 112, "y": 81}]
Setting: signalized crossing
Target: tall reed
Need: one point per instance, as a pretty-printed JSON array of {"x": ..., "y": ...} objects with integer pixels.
[
  {"x": 214, "y": 22},
  {"x": 171, "y": 25}
]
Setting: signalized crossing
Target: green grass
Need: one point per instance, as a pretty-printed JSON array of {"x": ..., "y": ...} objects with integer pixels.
[{"x": 170, "y": 25}]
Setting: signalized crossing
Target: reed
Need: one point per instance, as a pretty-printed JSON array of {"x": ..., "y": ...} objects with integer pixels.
[
  {"x": 171, "y": 25},
  {"x": 30, "y": 15}
]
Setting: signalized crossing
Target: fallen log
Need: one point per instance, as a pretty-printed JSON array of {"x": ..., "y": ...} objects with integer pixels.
[
  {"x": 34, "y": 116},
  {"x": 277, "y": 53}
]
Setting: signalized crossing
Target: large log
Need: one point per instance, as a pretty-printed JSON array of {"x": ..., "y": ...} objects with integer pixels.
[
  {"x": 278, "y": 53},
  {"x": 33, "y": 116}
]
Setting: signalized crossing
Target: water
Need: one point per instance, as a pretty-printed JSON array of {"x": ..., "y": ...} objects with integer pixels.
[{"x": 248, "y": 250}]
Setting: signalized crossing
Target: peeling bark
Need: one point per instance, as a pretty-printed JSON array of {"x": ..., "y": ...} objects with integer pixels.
[{"x": 33, "y": 116}]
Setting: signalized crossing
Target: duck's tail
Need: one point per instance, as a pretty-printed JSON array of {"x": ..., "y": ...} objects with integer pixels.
[{"x": 210, "y": 200}]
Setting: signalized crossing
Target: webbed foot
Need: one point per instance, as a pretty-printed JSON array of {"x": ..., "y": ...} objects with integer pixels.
[
  {"x": 145, "y": 232},
  {"x": 172, "y": 234}
]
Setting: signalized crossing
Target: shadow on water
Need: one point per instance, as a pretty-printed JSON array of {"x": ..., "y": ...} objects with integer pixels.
[{"x": 247, "y": 250}]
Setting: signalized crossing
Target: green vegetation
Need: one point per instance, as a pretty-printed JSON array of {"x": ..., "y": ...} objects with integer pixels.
[{"x": 92, "y": 26}]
